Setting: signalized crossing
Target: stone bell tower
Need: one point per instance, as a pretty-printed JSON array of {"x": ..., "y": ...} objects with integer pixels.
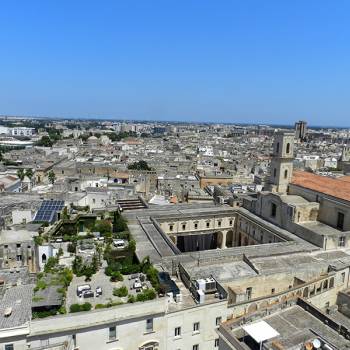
[{"x": 282, "y": 162}]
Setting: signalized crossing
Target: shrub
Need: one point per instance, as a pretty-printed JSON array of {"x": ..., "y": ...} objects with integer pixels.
[
  {"x": 71, "y": 248},
  {"x": 51, "y": 264},
  {"x": 43, "y": 314},
  {"x": 77, "y": 307},
  {"x": 41, "y": 284},
  {"x": 86, "y": 307},
  {"x": 131, "y": 299},
  {"x": 39, "y": 240},
  {"x": 116, "y": 276},
  {"x": 148, "y": 294},
  {"x": 74, "y": 308},
  {"x": 103, "y": 226},
  {"x": 132, "y": 246},
  {"x": 62, "y": 310},
  {"x": 120, "y": 292}
]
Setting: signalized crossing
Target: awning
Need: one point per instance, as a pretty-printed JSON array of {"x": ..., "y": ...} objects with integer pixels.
[{"x": 260, "y": 331}]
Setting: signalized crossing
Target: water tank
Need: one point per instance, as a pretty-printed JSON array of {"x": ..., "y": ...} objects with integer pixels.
[{"x": 316, "y": 343}]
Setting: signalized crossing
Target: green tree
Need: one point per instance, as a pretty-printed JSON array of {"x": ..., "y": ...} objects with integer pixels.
[
  {"x": 45, "y": 141},
  {"x": 65, "y": 215},
  {"x": 51, "y": 176},
  {"x": 29, "y": 173},
  {"x": 119, "y": 224},
  {"x": 103, "y": 226},
  {"x": 21, "y": 174},
  {"x": 140, "y": 165},
  {"x": 120, "y": 292},
  {"x": 77, "y": 264}
]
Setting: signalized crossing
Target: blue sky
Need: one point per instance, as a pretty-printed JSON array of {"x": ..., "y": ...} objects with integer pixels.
[{"x": 225, "y": 61}]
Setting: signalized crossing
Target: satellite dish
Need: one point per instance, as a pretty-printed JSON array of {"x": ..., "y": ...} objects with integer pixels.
[{"x": 316, "y": 343}]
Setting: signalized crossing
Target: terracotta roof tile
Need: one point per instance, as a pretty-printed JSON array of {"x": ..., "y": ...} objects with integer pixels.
[{"x": 338, "y": 188}]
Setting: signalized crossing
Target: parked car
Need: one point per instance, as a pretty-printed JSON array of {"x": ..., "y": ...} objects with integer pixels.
[
  {"x": 98, "y": 291},
  {"x": 88, "y": 294},
  {"x": 137, "y": 284},
  {"x": 83, "y": 288},
  {"x": 119, "y": 243}
]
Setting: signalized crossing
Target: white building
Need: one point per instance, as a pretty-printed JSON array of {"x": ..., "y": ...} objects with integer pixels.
[
  {"x": 141, "y": 326},
  {"x": 22, "y": 131}
]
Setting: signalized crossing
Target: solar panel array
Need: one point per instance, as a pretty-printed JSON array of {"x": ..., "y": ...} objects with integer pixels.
[{"x": 48, "y": 211}]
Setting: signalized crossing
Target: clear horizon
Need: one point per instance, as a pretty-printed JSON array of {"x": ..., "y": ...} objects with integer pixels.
[{"x": 194, "y": 61}]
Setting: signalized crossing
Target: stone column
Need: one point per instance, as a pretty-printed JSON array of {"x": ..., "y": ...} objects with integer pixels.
[{"x": 223, "y": 242}]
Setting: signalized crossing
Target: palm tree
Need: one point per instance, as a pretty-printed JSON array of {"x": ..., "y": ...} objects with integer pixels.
[
  {"x": 21, "y": 174},
  {"x": 52, "y": 177}
]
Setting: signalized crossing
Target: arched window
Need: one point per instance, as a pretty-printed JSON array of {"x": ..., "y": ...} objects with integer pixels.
[
  {"x": 285, "y": 173},
  {"x": 43, "y": 258},
  {"x": 288, "y": 148}
]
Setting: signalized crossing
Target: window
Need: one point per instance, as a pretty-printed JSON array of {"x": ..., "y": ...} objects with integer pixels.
[
  {"x": 340, "y": 221},
  {"x": 208, "y": 224},
  {"x": 196, "y": 226},
  {"x": 171, "y": 227},
  {"x": 285, "y": 174},
  {"x": 177, "y": 331},
  {"x": 273, "y": 291},
  {"x": 183, "y": 226},
  {"x": 216, "y": 343},
  {"x": 149, "y": 325},
  {"x": 343, "y": 277},
  {"x": 196, "y": 327},
  {"x": 93, "y": 200},
  {"x": 218, "y": 321},
  {"x": 273, "y": 210},
  {"x": 18, "y": 245},
  {"x": 195, "y": 347},
  {"x": 219, "y": 223},
  {"x": 277, "y": 147},
  {"x": 74, "y": 339},
  {"x": 288, "y": 148},
  {"x": 231, "y": 222},
  {"x": 248, "y": 293},
  {"x": 341, "y": 242},
  {"x": 112, "y": 333},
  {"x": 274, "y": 172},
  {"x": 9, "y": 347}
]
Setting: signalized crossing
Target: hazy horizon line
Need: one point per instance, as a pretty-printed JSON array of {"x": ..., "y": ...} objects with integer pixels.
[{"x": 178, "y": 121}]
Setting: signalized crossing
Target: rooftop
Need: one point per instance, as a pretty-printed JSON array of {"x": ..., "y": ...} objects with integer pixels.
[
  {"x": 333, "y": 187},
  {"x": 18, "y": 298}
]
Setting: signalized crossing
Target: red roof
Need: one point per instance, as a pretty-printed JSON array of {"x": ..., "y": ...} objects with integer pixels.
[{"x": 338, "y": 188}]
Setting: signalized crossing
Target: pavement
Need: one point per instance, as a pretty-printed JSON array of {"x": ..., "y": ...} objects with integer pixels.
[{"x": 101, "y": 280}]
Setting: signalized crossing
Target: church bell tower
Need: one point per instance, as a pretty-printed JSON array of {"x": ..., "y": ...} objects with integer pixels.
[{"x": 282, "y": 162}]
